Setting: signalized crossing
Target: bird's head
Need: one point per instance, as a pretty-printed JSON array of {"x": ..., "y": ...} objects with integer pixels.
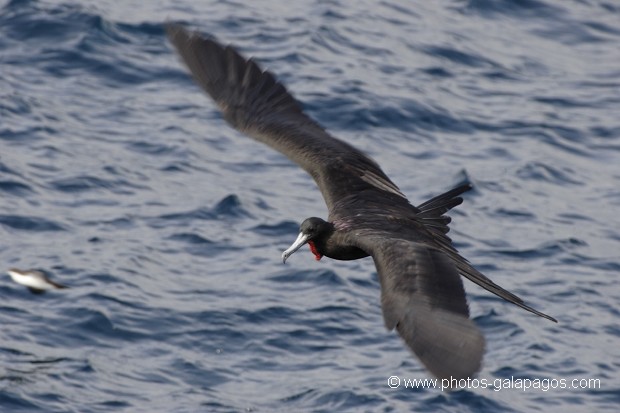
[{"x": 312, "y": 232}]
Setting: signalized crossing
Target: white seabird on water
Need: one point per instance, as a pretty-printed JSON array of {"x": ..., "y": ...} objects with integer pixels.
[{"x": 36, "y": 281}]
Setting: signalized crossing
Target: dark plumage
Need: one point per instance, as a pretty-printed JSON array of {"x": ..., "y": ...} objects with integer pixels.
[{"x": 419, "y": 269}]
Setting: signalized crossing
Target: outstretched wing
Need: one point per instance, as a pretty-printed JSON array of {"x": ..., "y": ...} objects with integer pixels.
[
  {"x": 422, "y": 293},
  {"x": 253, "y": 102},
  {"x": 422, "y": 296}
]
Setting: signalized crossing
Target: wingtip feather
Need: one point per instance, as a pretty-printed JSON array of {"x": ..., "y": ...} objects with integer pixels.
[{"x": 449, "y": 345}]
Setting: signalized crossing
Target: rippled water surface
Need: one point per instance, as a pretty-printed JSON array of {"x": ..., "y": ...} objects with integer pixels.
[{"x": 119, "y": 177}]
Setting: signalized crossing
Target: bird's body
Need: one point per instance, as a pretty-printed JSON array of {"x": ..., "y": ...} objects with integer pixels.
[
  {"x": 419, "y": 269},
  {"x": 36, "y": 281}
]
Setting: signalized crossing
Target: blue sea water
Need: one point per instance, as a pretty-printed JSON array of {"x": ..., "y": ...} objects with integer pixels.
[{"x": 119, "y": 177}]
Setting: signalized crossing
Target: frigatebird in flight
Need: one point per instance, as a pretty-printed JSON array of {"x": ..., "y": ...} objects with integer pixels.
[{"x": 419, "y": 269}]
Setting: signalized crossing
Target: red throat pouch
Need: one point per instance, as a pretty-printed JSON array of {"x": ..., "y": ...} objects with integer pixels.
[{"x": 317, "y": 256}]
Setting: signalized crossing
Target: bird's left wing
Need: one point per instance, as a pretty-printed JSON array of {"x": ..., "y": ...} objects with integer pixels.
[{"x": 422, "y": 296}]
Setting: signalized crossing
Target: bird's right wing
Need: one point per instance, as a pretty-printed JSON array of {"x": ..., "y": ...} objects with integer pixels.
[
  {"x": 255, "y": 103},
  {"x": 422, "y": 296}
]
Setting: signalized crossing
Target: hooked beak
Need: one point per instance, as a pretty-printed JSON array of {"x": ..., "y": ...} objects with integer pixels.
[{"x": 299, "y": 242}]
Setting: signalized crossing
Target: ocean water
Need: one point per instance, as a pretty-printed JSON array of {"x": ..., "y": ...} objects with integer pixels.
[{"x": 119, "y": 177}]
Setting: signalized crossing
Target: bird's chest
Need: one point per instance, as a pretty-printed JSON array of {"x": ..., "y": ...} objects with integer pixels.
[
  {"x": 344, "y": 252},
  {"x": 341, "y": 246}
]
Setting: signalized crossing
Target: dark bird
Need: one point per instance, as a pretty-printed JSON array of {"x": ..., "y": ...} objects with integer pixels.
[
  {"x": 36, "y": 281},
  {"x": 419, "y": 269}
]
